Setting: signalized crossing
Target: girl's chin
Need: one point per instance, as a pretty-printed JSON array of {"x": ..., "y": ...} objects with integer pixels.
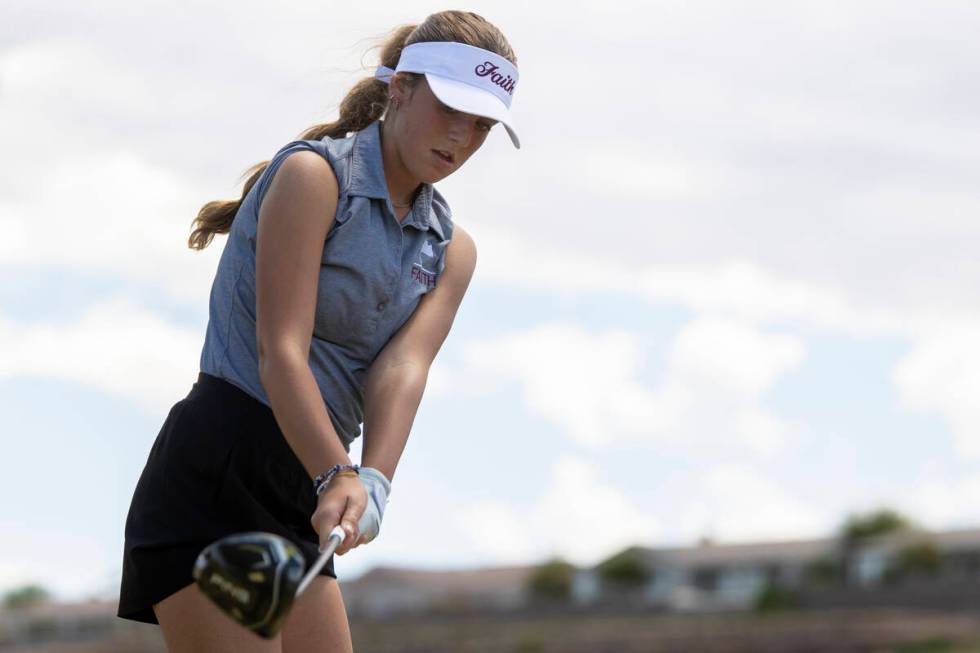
[
  {"x": 429, "y": 173},
  {"x": 430, "y": 176}
]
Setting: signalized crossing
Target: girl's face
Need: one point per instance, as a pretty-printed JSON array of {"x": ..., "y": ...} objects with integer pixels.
[{"x": 430, "y": 127}]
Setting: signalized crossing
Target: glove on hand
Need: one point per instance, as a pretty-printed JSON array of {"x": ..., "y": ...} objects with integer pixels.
[{"x": 378, "y": 487}]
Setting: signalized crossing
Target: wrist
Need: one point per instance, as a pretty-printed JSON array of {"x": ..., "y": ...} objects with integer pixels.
[
  {"x": 376, "y": 477},
  {"x": 323, "y": 479}
]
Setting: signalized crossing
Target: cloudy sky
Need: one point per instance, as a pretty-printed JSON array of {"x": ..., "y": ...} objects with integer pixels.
[{"x": 727, "y": 287}]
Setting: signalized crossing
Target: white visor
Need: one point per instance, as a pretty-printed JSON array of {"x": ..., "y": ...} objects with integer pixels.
[{"x": 467, "y": 78}]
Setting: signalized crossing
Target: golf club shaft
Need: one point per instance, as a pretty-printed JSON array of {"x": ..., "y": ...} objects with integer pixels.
[{"x": 333, "y": 541}]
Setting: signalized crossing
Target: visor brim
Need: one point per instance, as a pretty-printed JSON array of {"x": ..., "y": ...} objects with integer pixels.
[{"x": 470, "y": 99}]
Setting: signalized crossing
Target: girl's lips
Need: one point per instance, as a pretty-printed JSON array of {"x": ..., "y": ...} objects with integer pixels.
[{"x": 442, "y": 159}]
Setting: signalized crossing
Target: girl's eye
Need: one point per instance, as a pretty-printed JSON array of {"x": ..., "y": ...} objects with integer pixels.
[{"x": 448, "y": 109}]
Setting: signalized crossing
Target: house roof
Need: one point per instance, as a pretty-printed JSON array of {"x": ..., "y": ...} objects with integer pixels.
[
  {"x": 57, "y": 609},
  {"x": 483, "y": 580},
  {"x": 729, "y": 554},
  {"x": 959, "y": 540},
  {"x": 947, "y": 542},
  {"x": 797, "y": 551}
]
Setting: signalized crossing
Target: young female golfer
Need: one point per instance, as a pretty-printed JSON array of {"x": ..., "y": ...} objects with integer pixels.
[{"x": 339, "y": 281}]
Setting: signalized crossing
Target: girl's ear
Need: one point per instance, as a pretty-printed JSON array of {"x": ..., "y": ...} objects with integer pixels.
[
  {"x": 401, "y": 88},
  {"x": 397, "y": 86}
]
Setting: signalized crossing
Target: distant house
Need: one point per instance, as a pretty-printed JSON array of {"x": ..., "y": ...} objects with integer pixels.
[
  {"x": 57, "y": 621},
  {"x": 387, "y": 590},
  {"x": 710, "y": 576},
  {"x": 731, "y": 576},
  {"x": 707, "y": 577},
  {"x": 958, "y": 551}
]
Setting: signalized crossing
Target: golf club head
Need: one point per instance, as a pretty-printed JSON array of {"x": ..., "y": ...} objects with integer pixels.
[{"x": 252, "y": 577}]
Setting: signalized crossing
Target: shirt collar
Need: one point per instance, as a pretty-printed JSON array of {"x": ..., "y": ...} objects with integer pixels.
[{"x": 368, "y": 175}]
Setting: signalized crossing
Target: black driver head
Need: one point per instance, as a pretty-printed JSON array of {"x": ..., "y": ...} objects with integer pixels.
[{"x": 252, "y": 577}]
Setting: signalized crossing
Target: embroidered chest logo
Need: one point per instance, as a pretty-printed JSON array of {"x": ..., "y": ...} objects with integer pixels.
[{"x": 424, "y": 267}]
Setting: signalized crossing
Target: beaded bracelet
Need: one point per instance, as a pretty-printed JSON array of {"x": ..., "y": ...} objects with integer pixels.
[
  {"x": 323, "y": 486},
  {"x": 323, "y": 478},
  {"x": 326, "y": 483}
]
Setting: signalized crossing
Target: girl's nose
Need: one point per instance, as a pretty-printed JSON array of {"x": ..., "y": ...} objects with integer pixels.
[{"x": 461, "y": 131}]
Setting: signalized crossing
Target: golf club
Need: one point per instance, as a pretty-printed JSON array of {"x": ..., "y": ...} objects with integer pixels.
[{"x": 255, "y": 577}]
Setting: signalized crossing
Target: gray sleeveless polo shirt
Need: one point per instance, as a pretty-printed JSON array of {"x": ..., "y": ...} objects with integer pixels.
[{"x": 373, "y": 272}]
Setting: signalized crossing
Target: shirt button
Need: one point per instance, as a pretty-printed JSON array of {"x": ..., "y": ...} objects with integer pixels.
[{"x": 381, "y": 306}]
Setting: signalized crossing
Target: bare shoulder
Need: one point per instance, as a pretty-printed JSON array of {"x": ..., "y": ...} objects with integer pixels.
[
  {"x": 307, "y": 173},
  {"x": 302, "y": 197},
  {"x": 461, "y": 253}
]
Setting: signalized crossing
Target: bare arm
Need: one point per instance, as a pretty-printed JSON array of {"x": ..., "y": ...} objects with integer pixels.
[
  {"x": 294, "y": 219},
  {"x": 396, "y": 379}
]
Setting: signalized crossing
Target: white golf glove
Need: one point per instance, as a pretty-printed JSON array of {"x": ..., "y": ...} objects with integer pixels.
[{"x": 378, "y": 488}]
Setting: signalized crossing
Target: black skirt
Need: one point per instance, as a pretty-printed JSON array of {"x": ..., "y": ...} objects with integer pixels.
[{"x": 220, "y": 465}]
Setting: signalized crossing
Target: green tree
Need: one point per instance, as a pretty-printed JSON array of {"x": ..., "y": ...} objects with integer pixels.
[
  {"x": 879, "y": 522},
  {"x": 552, "y": 580},
  {"x": 861, "y": 527},
  {"x": 825, "y": 570},
  {"x": 25, "y": 596},
  {"x": 625, "y": 570},
  {"x": 774, "y": 598},
  {"x": 920, "y": 558}
]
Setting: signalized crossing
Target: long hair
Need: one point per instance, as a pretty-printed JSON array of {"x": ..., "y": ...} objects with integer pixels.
[{"x": 366, "y": 102}]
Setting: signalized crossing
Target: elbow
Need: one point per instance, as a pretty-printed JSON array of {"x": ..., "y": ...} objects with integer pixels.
[
  {"x": 272, "y": 359},
  {"x": 405, "y": 373}
]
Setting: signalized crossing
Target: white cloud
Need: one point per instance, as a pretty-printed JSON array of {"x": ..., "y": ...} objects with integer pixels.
[
  {"x": 440, "y": 379},
  {"x": 938, "y": 376},
  {"x": 588, "y": 383},
  {"x": 583, "y": 381},
  {"x": 45, "y": 73},
  {"x": 639, "y": 173},
  {"x": 112, "y": 213},
  {"x": 581, "y": 517},
  {"x": 738, "y": 357},
  {"x": 729, "y": 157},
  {"x": 17, "y": 574},
  {"x": 738, "y": 503},
  {"x": 940, "y": 500},
  {"x": 737, "y": 288},
  {"x": 498, "y": 532},
  {"x": 725, "y": 368},
  {"x": 941, "y": 375},
  {"x": 115, "y": 346},
  {"x": 761, "y": 431},
  {"x": 584, "y": 518},
  {"x": 70, "y": 565},
  {"x": 746, "y": 290}
]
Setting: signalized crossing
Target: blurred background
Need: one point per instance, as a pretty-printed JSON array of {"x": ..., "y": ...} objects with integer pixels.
[{"x": 720, "y": 355}]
